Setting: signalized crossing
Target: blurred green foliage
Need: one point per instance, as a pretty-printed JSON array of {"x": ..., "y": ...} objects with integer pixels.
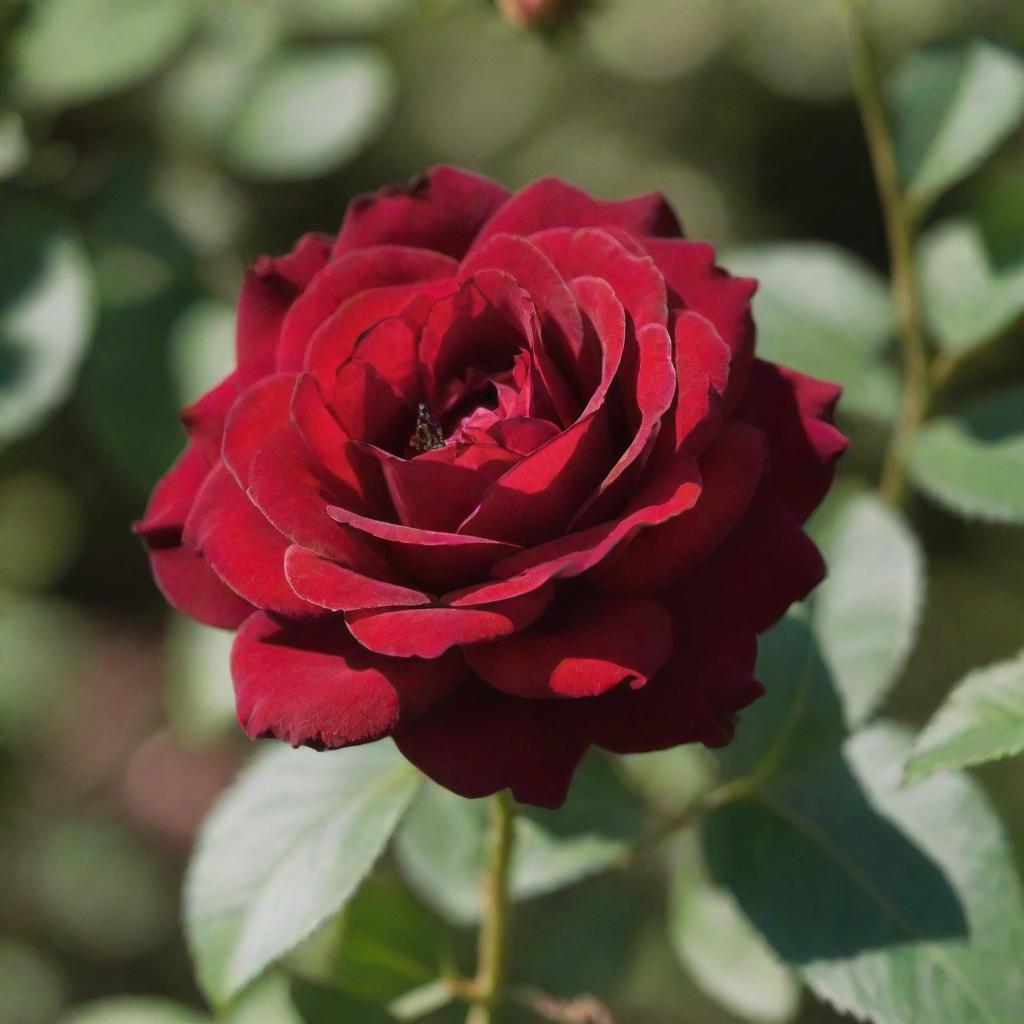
[{"x": 150, "y": 149}]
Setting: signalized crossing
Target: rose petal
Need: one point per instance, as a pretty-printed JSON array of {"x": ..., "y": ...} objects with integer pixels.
[
  {"x": 338, "y": 589},
  {"x": 443, "y": 210},
  {"x": 257, "y": 412},
  {"x": 585, "y": 644},
  {"x": 796, "y": 413},
  {"x": 242, "y": 548},
  {"x": 311, "y": 684},
  {"x": 478, "y": 741},
  {"x": 731, "y": 472},
  {"x": 429, "y": 632},
  {"x": 204, "y": 419},
  {"x": 702, "y": 370},
  {"x": 551, "y": 203}
]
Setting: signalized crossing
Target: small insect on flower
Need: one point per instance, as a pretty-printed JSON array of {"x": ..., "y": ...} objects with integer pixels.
[{"x": 428, "y": 434}]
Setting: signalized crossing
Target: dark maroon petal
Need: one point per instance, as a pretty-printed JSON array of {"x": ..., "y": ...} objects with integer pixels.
[
  {"x": 694, "y": 697},
  {"x": 796, "y": 414},
  {"x": 429, "y": 632},
  {"x": 443, "y": 210},
  {"x": 604, "y": 337},
  {"x": 672, "y": 492},
  {"x": 551, "y": 203},
  {"x": 181, "y": 573},
  {"x": 438, "y": 489},
  {"x": 765, "y": 564},
  {"x": 204, "y": 419},
  {"x": 702, "y": 369},
  {"x": 267, "y": 294},
  {"x": 369, "y": 409},
  {"x": 556, "y": 308},
  {"x": 477, "y": 741},
  {"x": 522, "y": 435},
  {"x": 585, "y": 644},
  {"x": 346, "y": 276},
  {"x": 258, "y": 412},
  {"x": 311, "y": 683},
  {"x": 690, "y": 272},
  {"x": 651, "y": 386},
  {"x": 294, "y": 496},
  {"x": 660, "y": 556},
  {"x": 536, "y": 498},
  {"x": 339, "y": 589},
  {"x": 241, "y": 546}
]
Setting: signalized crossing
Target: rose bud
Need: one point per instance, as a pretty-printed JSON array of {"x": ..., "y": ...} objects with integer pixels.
[
  {"x": 529, "y": 12},
  {"x": 498, "y": 475}
]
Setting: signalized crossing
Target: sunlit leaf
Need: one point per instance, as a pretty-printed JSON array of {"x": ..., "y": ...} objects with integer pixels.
[
  {"x": 897, "y": 904},
  {"x": 952, "y": 107},
  {"x": 867, "y": 611},
  {"x": 46, "y": 310},
  {"x": 724, "y": 954},
  {"x": 442, "y": 843},
  {"x": 973, "y": 463},
  {"x": 968, "y": 302},
  {"x": 981, "y": 720},
  {"x": 70, "y": 53},
  {"x": 822, "y": 311},
  {"x": 306, "y": 112},
  {"x": 285, "y": 849}
]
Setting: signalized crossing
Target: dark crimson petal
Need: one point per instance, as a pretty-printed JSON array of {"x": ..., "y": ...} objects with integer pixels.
[
  {"x": 604, "y": 322},
  {"x": 551, "y": 203},
  {"x": 660, "y": 556},
  {"x": 477, "y": 741},
  {"x": 796, "y": 414},
  {"x": 329, "y": 447},
  {"x": 536, "y": 498},
  {"x": 558, "y": 314},
  {"x": 765, "y": 564},
  {"x": 181, "y": 573},
  {"x": 346, "y": 276},
  {"x": 294, "y": 496},
  {"x": 652, "y": 388},
  {"x": 429, "y": 632},
  {"x": 690, "y": 272},
  {"x": 204, "y": 419},
  {"x": 243, "y": 549},
  {"x": 310, "y": 683},
  {"x": 586, "y": 644},
  {"x": 694, "y": 698},
  {"x": 437, "y": 560},
  {"x": 702, "y": 369},
  {"x": 268, "y": 292},
  {"x": 259, "y": 411},
  {"x": 392, "y": 348},
  {"x": 334, "y": 340},
  {"x": 522, "y": 435},
  {"x": 443, "y": 210},
  {"x": 369, "y": 409},
  {"x": 438, "y": 489},
  {"x": 338, "y": 589},
  {"x": 671, "y": 493}
]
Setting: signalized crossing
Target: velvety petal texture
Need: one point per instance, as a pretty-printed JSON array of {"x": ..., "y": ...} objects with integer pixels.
[{"x": 500, "y": 476}]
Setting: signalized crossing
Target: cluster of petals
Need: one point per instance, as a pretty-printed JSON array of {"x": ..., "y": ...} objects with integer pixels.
[{"x": 497, "y": 475}]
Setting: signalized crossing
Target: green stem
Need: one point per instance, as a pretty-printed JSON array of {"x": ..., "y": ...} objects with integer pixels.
[
  {"x": 486, "y": 989},
  {"x": 901, "y": 222}
]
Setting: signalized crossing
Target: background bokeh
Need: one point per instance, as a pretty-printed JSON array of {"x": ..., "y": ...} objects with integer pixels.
[{"x": 149, "y": 150}]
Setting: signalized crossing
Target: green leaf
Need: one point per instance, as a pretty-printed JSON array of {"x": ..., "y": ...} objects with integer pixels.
[
  {"x": 824, "y": 312},
  {"x": 285, "y": 849},
  {"x": 981, "y": 720},
  {"x": 46, "y": 309},
  {"x": 898, "y": 905},
  {"x": 867, "y": 611},
  {"x": 322, "y": 1004},
  {"x": 14, "y": 144},
  {"x": 953, "y": 107},
  {"x": 724, "y": 954},
  {"x": 973, "y": 463},
  {"x": 442, "y": 843},
  {"x": 307, "y": 112},
  {"x": 71, "y": 53},
  {"x": 129, "y": 1010},
  {"x": 968, "y": 303}
]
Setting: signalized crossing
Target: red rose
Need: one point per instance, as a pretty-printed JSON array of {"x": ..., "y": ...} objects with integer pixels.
[{"x": 499, "y": 476}]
